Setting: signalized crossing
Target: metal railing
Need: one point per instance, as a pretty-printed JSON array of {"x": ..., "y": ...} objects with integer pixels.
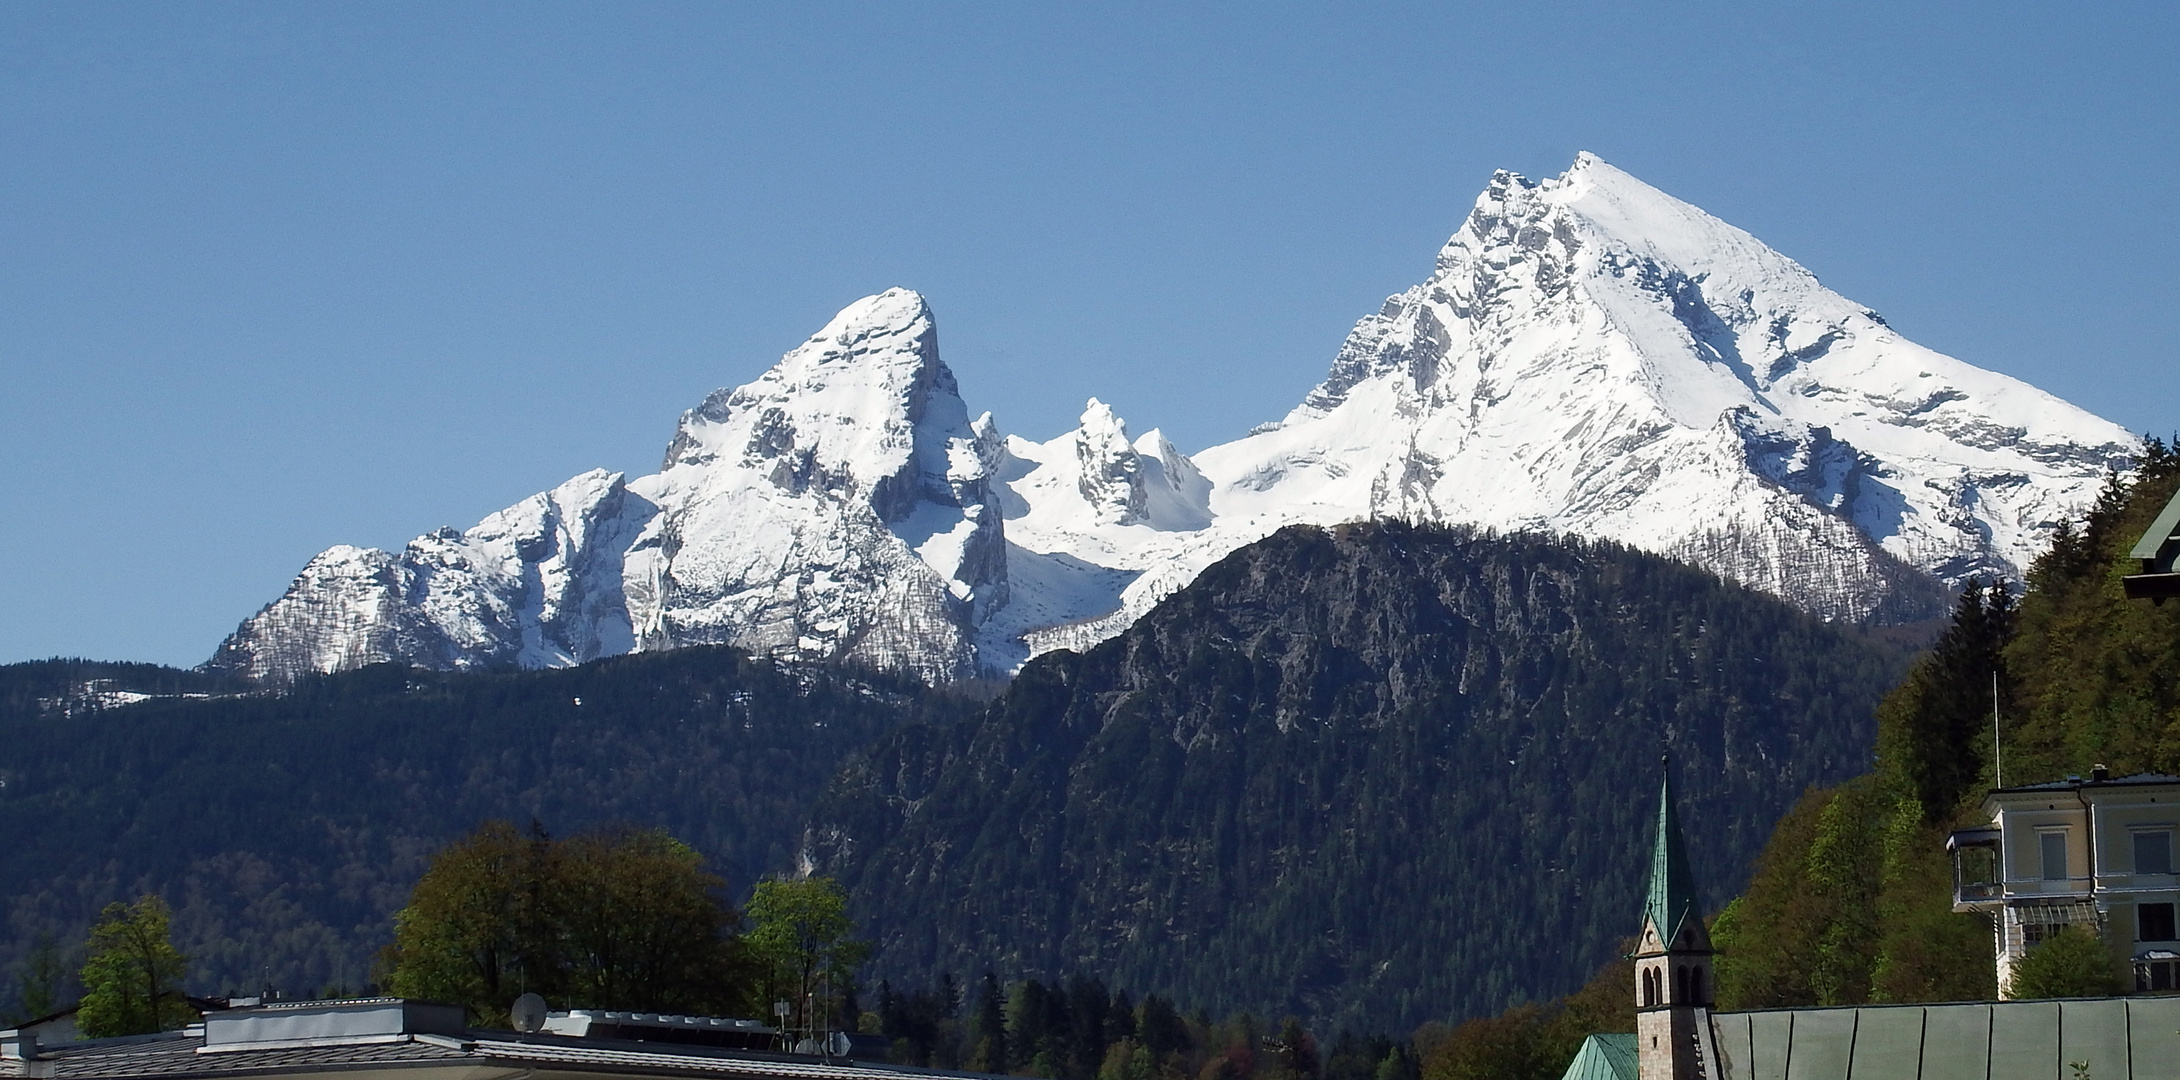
[
  {"x": 2040, "y": 886},
  {"x": 1969, "y": 892}
]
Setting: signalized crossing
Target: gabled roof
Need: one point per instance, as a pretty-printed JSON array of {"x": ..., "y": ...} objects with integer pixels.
[
  {"x": 1672, "y": 899},
  {"x": 1603, "y": 1057},
  {"x": 2158, "y": 549},
  {"x": 2163, "y": 531}
]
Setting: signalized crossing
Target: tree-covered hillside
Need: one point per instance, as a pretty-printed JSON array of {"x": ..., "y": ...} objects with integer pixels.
[
  {"x": 286, "y": 828},
  {"x": 1371, "y": 776},
  {"x": 1851, "y": 899}
]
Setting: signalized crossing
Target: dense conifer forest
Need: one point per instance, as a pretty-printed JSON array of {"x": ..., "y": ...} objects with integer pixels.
[
  {"x": 1217, "y": 810},
  {"x": 1370, "y": 777},
  {"x": 286, "y": 828},
  {"x": 1076, "y": 1029}
]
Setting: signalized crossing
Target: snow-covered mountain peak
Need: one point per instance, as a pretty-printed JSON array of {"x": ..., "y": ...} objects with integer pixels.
[
  {"x": 1588, "y": 356},
  {"x": 1109, "y": 476},
  {"x": 1095, "y": 479},
  {"x": 834, "y": 507},
  {"x": 864, "y": 404},
  {"x": 1594, "y": 356},
  {"x": 812, "y": 508}
]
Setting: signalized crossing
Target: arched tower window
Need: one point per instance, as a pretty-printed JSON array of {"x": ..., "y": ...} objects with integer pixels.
[
  {"x": 1650, "y": 987},
  {"x": 1680, "y": 984},
  {"x": 1695, "y": 981}
]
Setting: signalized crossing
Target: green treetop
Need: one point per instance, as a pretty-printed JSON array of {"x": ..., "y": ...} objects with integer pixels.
[
  {"x": 619, "y": 919},
  {"x": 803, "y": 943},
  {"x": 132, "y": 979}
]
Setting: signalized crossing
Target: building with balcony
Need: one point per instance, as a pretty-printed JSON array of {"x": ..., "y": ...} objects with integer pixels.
[
  {"x": 2096, "y": 852},
  {"x": 2098, "y": 872}
]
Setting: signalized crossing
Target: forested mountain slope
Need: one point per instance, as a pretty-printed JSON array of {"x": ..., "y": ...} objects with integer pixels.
[
  {"x": 1373, "y": 776},
  {"x": 286, "y": 828},
  {"x": 1852, "y": 900}
]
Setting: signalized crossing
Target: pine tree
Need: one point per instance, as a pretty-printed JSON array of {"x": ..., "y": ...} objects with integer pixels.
[
  {"x": 38, "y": 984},
  {"x": 1933, "y": 732},
  {"x": 988, "y": 1052},
  {"x": 1160, "y": 1027}
]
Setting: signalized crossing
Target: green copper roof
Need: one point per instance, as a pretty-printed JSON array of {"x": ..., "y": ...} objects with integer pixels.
[
  {"x": 1672, "y": 887},
  {"x": 1603, "y": 1057},
  {"x": 2160, "y": 532}
]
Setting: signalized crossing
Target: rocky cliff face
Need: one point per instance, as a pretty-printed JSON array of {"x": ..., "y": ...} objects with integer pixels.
[
  {"x": 1225, "y": 802},
  {"x": 837, "y": 508},
  {"x": 534, "y": 585},
  {"x": 1590, "y": 357}
]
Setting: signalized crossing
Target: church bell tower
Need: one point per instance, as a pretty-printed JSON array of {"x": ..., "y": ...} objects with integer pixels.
[{"x": 1673, "y": 982}]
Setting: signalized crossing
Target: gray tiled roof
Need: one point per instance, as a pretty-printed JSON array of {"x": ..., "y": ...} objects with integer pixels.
[{"x": 178, "y": 1055}]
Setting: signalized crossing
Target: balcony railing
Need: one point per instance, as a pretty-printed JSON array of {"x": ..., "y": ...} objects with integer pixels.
[
  {"x": 1975, "y": 892},
  {"x": 2137, "y": 882},
  {"x": 2068, "y": 886}
]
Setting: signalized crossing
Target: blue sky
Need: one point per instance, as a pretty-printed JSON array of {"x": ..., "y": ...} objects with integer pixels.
[{"x": 279, "y": 276}]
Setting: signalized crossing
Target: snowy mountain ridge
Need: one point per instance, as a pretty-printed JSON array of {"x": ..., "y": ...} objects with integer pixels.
[{"x": 1590, "y": 356}]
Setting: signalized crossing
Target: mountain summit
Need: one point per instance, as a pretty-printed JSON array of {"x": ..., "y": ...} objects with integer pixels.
[
  {"x": 1590, "y": 356},
  {"x": 839, "y": 506}
]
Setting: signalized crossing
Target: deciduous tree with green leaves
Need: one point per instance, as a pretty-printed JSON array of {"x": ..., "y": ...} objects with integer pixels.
[
  {"x": 478, "y": 929},
  {"x": 132, "y": 974},
  {"x": 804, "y": 946},
  {"x": 2072, "y": 963},
  {"x": 645, "y": 926},
  {"x": 1532, "y": 1041},
  {"x": 617, "y": 919}
]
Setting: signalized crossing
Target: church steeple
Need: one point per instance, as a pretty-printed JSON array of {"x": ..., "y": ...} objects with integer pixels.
[
  {"x": 1673, "y": 983},
  {"x": 1672, "y": 902}
]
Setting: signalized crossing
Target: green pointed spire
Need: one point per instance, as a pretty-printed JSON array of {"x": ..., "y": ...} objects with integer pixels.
[{"x": 1672, "y": 899}]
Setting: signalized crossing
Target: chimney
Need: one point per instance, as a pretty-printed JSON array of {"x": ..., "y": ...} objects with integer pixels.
[
  {"x": 2099, "y": 774},
  {"x": 18, "y": 1045}
]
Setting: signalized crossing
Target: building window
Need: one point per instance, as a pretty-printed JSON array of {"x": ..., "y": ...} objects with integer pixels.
[
  {"x": 2153, "y": 852},
  {"x": 2054, "y": 855},
  {"x": 2154, "y": 922}
]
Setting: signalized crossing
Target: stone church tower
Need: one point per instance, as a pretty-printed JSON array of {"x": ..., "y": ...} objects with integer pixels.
[{"x": 1673, "y": 983}]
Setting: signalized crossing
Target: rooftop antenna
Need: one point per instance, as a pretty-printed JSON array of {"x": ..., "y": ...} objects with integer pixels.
[{"x": 1998, "y": 760}]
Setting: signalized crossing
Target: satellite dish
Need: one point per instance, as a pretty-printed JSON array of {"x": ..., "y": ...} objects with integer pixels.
[{"x": 529, "y": 1014}]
